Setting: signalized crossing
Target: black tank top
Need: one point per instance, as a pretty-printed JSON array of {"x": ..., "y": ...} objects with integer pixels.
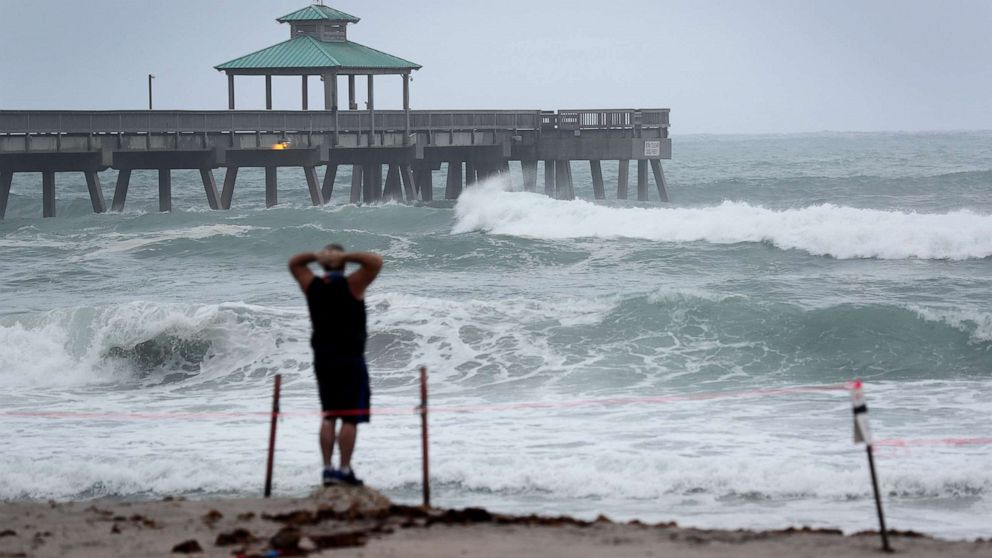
[{"x": 338, "y": 318}]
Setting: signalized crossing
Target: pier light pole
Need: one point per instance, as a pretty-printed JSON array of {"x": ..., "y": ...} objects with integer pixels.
[{"x": 150, "y": 78}]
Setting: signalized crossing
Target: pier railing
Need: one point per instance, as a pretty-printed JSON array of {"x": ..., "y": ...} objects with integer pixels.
[{"x": 139, "y": 122}]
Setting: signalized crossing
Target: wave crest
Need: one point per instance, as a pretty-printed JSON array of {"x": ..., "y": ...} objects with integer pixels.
[{"x": 823, "y": 230}]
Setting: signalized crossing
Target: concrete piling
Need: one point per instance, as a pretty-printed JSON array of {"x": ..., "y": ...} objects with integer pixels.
[
  {"x": 6, "y": 179},
  {"x": 642, "y": 180},
  {"x": 96, "y": 192},
  {"x": 48, "y": 193},
  {"x": 598, "y": 187},
  {"x": 316, "y": 197},
  {"x": 230, "y": 177},
  {"x": 623, "y": 179},
  {"x": 271, "y": 187},
  {"x": 659, "y": 179},
  {"x": 330, "y": 175}
]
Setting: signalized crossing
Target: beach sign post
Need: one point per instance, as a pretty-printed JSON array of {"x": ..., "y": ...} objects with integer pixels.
[
  {"x": 272, "y": 436},
  {"x": 862, "y": 435}
]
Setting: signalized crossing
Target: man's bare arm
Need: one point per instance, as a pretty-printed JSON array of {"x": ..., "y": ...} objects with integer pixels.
[
  {"x": 360, "y": 280},
  {"x": 299, "y": 266}
]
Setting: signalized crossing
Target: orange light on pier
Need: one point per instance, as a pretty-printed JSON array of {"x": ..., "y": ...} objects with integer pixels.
[{"x": 284, "y": 144}]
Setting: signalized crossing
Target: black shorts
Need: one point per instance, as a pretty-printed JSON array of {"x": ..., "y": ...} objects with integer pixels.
[{"x": 343, "y": 384}]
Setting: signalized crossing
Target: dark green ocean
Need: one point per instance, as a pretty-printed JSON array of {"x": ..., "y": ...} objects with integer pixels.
[{"x": 656, "y": 347}]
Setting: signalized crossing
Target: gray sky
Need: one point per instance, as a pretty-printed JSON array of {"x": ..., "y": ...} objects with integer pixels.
[{"x": 721, "y": 66}]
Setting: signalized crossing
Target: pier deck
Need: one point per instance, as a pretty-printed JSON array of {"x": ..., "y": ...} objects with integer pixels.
[{"x": 412, "y": 144}]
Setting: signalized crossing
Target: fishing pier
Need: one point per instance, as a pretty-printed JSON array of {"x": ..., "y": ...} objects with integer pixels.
[{"x": 410, "y": 145}]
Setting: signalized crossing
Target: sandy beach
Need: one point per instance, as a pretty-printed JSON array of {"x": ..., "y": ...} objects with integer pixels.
[{"x": 362, "y": 523}]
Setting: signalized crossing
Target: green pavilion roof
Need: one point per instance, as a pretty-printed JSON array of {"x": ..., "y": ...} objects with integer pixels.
[
  {"x": 306, "y": 52},
  {"x": 318, "y": 13}
]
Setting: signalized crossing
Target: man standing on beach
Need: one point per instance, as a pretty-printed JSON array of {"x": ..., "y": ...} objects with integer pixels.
[{"x": 337, "y": 312}]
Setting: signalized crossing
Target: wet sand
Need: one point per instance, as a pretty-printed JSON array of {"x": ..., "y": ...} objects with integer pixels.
[{"x": 361, "y": 523}]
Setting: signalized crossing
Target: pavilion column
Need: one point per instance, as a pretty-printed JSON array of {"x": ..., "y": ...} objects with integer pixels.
[
  {"x": 352, "y": 105},
  {"x": 406, "y": 107},
  {"x": 268, "y": 92},
  {"x": 230, "y": 91},
  {"x": 306, "y": 94},
  {"x": 371, "y": 110}
]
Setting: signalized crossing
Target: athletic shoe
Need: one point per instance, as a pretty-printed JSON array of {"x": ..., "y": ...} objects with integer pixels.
[
  {"x": 331, "y": 476},
  {"x": 349, "y": 478}
]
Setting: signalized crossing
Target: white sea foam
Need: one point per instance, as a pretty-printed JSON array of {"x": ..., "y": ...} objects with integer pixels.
[
  {"x": 824, "y": 230},
  {"x": 77, "y": 346}
]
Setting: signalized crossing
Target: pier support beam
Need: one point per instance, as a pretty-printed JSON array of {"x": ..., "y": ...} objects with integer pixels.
[
  {"x": 598, "y": 188},
  {"x": 164, "y": 190},
  {"x": 316, "y": 197},
  {"x": 409, "y": 183},
  {"x": 120, "y": 192},
  {"x": 210, "y": 188},
  {"x": 659, "y": 179},
  {"x": 96, "y": 192},
  {"x": 563, "y": 180},
  {"x": 623, "y": 179},
  {"x": 48, "y": 193},
  {"x": 271, "y": 187},
  {"x": 425, "y": 181},
  {"x": 230, "y": 91},
  {"x": 330, "y": 175},
  {"x": 393, "y": 190},
  {"x": 228, "y": 193},
  {"x": 529, "y": 170},
  {"x": 6, "y": 179},
  {"x": 356, "y": 183},
  {"x": 371, "y": 93},
  {"x": 453, "y": 189},
  {"x": 549, "y": 178},
  {"x": 642, "y": 180}
]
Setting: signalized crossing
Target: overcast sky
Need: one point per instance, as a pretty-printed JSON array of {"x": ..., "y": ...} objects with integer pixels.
[{"x": 721, "y": 66}]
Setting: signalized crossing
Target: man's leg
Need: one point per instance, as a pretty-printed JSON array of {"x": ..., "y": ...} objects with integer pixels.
[
  {"x": 346, "y": 441},
  {"x": 327, "y": 440}
]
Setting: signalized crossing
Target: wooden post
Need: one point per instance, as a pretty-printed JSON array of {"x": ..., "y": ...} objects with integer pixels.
[
  {"x": 356, "y": 183},
  {"x": 372, "y": 111},
  {"x": 230, "y": 91},
  {"x": 425, "y": 452},
  {"x": 549, "y": 178},
  {"x": 210, "y": 188},
  {"x": 623, "y": 179},
  {"x": 598, "y": 188},
  {"x": 271, "y": 187},
  {"x": 268, "y": 92},
  {"x": 306, "y": 94},
  {"x": 316, "y": 198},
  {"x": 409, "y": 183},
  {"x": 6, "y": 179},
  {"x": 330, "y": 174},
  {"x": 272, "y": 435},
  {"x": 164, "y": 190},
  {"x": 659, "y": 179},
  {"x": 406, "y": 108},
  {"x": 393, "y": 189},
  {"x": 878, "y": 500},
  {"x": 227, "y": 194},
  {"x": 352, "y": 104},
  {"x": 48, "y": 193},
  {"x": 453, "y": 189},
  {"x": 529, "y": 170},
  {"x": 120, "y": 192},
  {"x": 642, "y": 180},
  {"x": 96, "y": 192}
]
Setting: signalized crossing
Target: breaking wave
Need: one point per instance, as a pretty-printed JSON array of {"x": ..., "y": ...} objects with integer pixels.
[{"x": 822, "y": 230}]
